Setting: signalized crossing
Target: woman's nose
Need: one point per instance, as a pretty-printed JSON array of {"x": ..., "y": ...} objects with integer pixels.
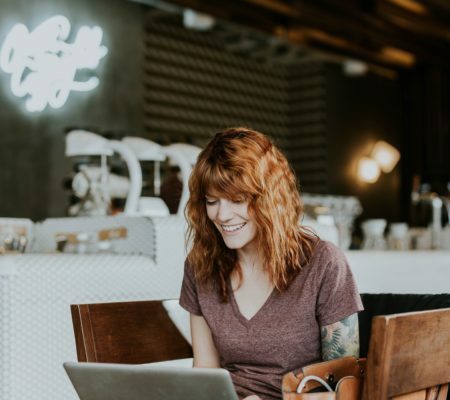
[{"x": 224, "y": 212}]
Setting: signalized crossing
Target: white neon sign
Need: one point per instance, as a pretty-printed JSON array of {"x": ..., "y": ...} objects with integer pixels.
[{"x": 44, "y": 66}]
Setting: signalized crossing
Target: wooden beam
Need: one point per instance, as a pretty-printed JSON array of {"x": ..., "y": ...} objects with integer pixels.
[
  {"x": 411, "y": 6},
  {"x": 277, "y": 6},
  {"x": 423, "y": 25},
  {"x": 387, "y": 57},
  {"x": 364, "y": 30},
  {"x": 379, "y": 29},
  {"x": 401, "y": 57}
]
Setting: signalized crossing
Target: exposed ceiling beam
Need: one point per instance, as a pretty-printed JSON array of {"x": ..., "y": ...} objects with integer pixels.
[
  {"x": 277, "y": 6},
  {"x": 363, "y": 28},
  {"x": 411, "y": 6},
  {"x": 413, "y": 22},
  {"x": 387, "y": 57}
]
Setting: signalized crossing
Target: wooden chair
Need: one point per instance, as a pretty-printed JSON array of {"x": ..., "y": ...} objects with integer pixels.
[
  {"x": 129, "y": 332},
  {"x": 409, "y": 356}
]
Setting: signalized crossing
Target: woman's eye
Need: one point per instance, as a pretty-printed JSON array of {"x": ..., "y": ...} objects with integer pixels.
[
  {"x": 210, "y": 202},
  {"x": 239, "y": 201}
]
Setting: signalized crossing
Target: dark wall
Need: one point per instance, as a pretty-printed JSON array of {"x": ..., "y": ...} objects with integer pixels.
[
  {"x": 362, "y": 110},
  {"x": 426, "y": 100},
  {"x": 32, "y": 161}
]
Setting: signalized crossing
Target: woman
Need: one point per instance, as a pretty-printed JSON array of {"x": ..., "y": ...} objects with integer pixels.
[{"x": 265, "y": 295}]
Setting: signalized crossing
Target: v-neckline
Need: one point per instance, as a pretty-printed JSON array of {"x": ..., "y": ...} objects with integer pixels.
[{"x": 237, "y": 311}]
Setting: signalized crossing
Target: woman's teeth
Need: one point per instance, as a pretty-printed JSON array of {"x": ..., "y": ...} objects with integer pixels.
[{"x": 232, "y": 228}]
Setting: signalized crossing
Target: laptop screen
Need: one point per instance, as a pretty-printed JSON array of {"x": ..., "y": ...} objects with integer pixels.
[{"x": 98, "y": 381}]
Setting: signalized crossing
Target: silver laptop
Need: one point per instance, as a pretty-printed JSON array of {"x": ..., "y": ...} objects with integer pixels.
[{"x": 99, "y": 381}]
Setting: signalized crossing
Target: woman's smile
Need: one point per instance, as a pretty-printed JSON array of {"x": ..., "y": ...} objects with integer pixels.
[{"x": 232, "y": 228}]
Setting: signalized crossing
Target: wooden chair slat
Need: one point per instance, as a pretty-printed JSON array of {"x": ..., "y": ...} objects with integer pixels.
[
  {"x": 408, "y": 353},
  {"x": 128, "y": 332}
]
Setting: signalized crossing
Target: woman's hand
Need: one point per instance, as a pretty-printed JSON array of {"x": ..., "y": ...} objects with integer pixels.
[{"x": 252, "y": 397}]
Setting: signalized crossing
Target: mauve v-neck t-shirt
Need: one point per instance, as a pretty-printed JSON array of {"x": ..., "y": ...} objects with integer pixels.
[{"x": 284, "y": 334}]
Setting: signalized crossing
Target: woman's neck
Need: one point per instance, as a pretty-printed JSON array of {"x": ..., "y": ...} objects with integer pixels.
[
  {"x": 250, "y": 259},
  {"x": 253, "y": 274}
]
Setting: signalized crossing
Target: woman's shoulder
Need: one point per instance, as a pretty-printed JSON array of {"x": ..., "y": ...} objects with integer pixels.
[
  {"x": 325, "y": 252},
  {"x": 189, "y": 269},
  {"x": 327, "y": 247}
]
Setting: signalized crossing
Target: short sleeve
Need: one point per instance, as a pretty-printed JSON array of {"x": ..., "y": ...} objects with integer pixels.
[
  {"x": 338, "y": 295},
  {"x": 188, "y": 296}
]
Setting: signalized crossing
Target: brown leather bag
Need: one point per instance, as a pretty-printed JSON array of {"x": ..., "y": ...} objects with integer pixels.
[{"x": 343, "y": 375}]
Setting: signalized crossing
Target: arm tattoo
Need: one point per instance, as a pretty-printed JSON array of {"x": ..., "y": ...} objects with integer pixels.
[{"x": 341, "y": 338}]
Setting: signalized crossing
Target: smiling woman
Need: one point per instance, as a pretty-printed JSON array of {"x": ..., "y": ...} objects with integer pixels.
[
  {"x": 243, "y": 166},
  {"x": 261, "y": 289}
]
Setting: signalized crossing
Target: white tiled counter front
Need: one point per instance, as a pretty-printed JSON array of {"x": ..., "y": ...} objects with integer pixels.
[
  {"x": 36, "y": 291},
  {"x": 424, "y": 272}
]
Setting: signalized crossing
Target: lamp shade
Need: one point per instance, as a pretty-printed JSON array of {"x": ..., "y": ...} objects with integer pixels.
[
  {"x": 368, "y": 170},
  {"x": 385, "y": 155}
]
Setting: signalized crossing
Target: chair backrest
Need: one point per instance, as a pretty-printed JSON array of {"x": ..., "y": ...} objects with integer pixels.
[
  {"x": 393, "y": 303},
  {"x": 409, "y": 353},
  {"x": 129, "y": 332}
]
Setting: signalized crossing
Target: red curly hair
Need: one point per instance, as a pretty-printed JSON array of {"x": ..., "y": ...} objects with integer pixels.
[{"x": 243, "y": 164}]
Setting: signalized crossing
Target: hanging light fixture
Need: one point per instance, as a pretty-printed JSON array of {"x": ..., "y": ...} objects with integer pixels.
[
  {"x": 197, "y": 21},
  {"x": 368, "y": 170},
  {"x": 385, "y": 155}
]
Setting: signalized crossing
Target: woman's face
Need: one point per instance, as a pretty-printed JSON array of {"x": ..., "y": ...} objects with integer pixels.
[{"x": 233, "y": 220}]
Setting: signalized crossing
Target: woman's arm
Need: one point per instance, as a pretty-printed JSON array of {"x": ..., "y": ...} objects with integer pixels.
[
  {"x": 341, "y": 338},
  {"x": 205, "y": 352}
]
